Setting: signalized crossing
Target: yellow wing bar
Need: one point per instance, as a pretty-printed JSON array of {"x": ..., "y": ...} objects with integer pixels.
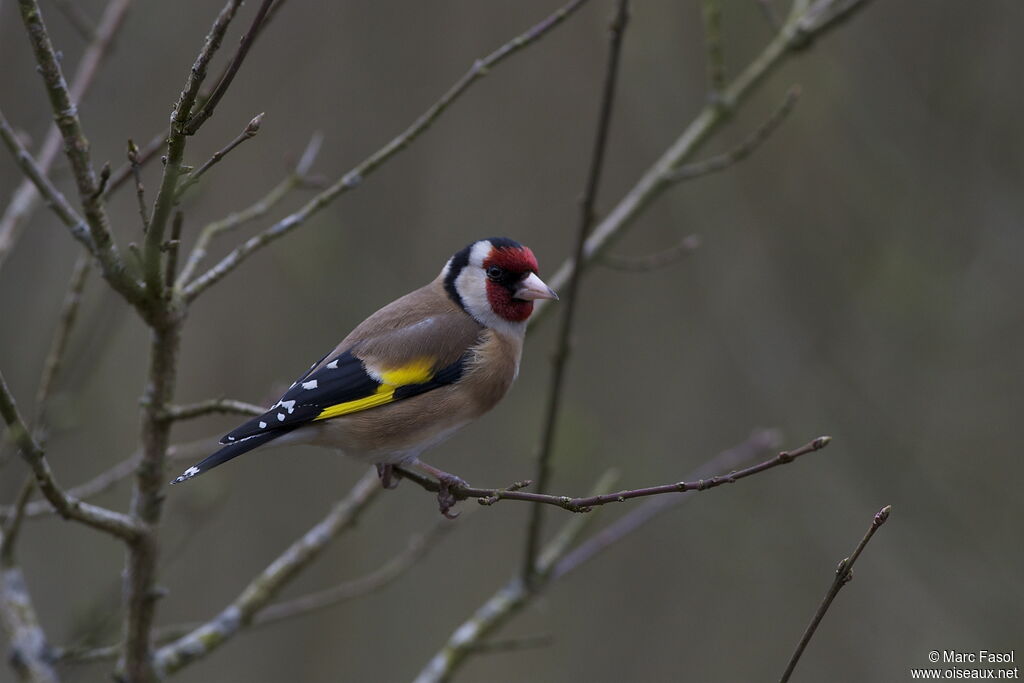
[{"x": 416, "y": 372}]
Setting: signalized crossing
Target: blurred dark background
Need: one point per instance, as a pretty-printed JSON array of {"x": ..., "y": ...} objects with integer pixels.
[{"x": 859, "y": 276}]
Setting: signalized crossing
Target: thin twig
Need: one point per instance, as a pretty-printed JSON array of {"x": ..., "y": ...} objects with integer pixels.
[
  {"x": 12, "y": 523},
  {"x": 76, "y": 148},
  {"x": 655, "y": 260},
  {"x": 130, "y": 170},
  {"x": 247, "y": 133},
  {"x": 172, "y": 247},
  {"x": 206, "y": 110},
  {"x": 571, "y": 294},
  {"x": 587, "y": 503},
  {"x": 176, "y": 142},
  {"x": 57, "y": 202},
  {"x": 112, "y": 522},
  {"x": 251, "y": 213},
  {"x": 723, "y": 161},
  {"x": 25, "y": 198},
  {"x": 262, "y": 589},
  {"x": 844, "y": 574},
  {"x": 355, "y": 177},
  {"x": 212, "y": 406},
  {"x": 135, "y": 165}
]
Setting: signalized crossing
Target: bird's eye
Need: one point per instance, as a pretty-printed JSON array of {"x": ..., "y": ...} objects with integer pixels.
[{"x": 495, "y": 272}]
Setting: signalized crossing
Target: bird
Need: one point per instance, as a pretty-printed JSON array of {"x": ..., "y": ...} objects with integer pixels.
[{"x": 413, "y": 373}]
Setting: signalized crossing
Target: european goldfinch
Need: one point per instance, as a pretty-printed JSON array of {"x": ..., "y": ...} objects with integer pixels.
[{"x": 414, "y": 372}]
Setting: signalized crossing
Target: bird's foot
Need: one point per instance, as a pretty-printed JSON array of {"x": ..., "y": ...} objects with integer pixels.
[
  {"x": 446, "y": 481},
  {"x": 446, "y": 500},
  {"x": 389, "y": 476}
]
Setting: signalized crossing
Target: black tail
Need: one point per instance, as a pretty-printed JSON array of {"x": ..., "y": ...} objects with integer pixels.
[{"x": 230, "y": 451}]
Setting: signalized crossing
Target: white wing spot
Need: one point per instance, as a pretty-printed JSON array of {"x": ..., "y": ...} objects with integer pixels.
[
  {"x": 288, "y": 405},
  {"x": 311, "y": 384},
  {"x": 280, "y": 417},
  {"x": 333, "y": 365},
  {"x": 231, "y": 438},
  {"x": 263, "y": 425}
]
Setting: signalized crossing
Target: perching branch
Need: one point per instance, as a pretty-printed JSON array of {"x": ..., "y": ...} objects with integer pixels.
[
  {"x": 354, "y": 177},
  {"x": 571, "y": 293},
  {"x": 262, "y": 589},
  {"x": 587, "y": 503},
  {"x": 844, "y": 574},
  {"x": 759, "y": 443},
  {"x": 114, "y": 523},
  {"x": 795, "y": 34},
  {"x": 25, "y": 198}
]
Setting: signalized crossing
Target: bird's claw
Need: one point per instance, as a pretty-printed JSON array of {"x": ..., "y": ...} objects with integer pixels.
[
  {"x": 389, "y": 477},
  {"x": 446, "y": 500}
]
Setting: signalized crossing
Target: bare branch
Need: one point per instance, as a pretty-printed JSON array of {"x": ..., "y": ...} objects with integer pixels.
[
  {"x": 206, "y": 111},
  {"x": 24, "y": 199},
  {"x": 57, "y": 202},
  {"x": 115, "y": 523},
  {"x": 791, "y": 38},
  {"x": 745, "y": 148},
  {"x": 587, "y": 503},
  {"x": 76, "y": 148},
  {"x": 844, "y": 574},
  {"x": 247, "y": 133},
  {"x": 135, "y": 166},
  {"x": 176, "y": 141},
  {"x": 755, "y": 447},
  {"x": 355, "y": 177},
  {"x": 571, "y": 294},
  {"x": 130, "y": 169},
  {"x": 256, "y": 210},
  {"x": 653, "y": 261},
  {"x": 262, "y": 589},
  {"x": 119, "y": 472},
  {"x": 212, "y": 406}
]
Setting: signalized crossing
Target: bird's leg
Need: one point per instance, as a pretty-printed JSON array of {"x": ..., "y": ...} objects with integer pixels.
[
  {"x": 446, "y": 482},
  {"x": 388, "y": 475}
]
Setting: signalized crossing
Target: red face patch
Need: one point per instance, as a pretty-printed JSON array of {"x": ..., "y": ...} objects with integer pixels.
[{"x": 517, "y": 262}]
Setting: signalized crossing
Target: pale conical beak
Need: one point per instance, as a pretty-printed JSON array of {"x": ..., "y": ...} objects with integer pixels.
[{"x": 532, "y": 287}]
